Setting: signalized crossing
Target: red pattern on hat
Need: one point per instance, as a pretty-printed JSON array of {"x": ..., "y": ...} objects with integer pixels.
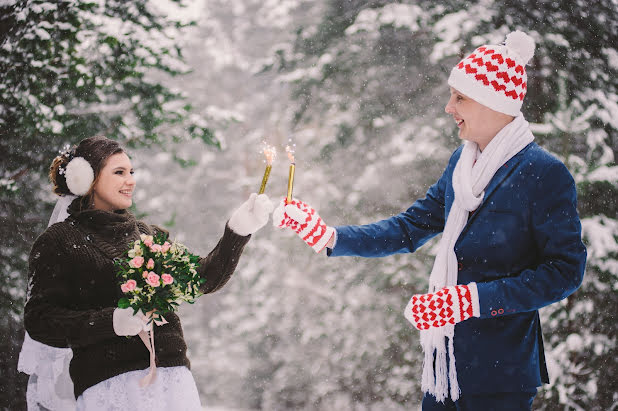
[
  {"x": 498, "y": 75},
  {"x": 495, "y": 75}
]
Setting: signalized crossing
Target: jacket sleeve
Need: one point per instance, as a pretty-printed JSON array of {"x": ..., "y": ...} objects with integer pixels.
[
  {"x": 403, "y": 233},
  {"x": 562, "y": 255},
  {"x": 219, "y": 265},
  {"x": 47, "y": 316}
]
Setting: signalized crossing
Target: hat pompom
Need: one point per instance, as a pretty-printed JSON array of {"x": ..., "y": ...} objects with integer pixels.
[
  {"x": 79, "y": 176},
  {"x": 522, "y": 44}
]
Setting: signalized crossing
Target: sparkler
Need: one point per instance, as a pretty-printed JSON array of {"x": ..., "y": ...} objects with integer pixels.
[
  {"x": 290, "y": 152},
  {"x": 270, "y": 153}
]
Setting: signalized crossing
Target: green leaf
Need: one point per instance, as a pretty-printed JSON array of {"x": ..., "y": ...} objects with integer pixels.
[{"x": 123, "y": 303}]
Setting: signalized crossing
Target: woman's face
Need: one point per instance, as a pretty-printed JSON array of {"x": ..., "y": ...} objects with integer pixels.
[
  {"x": 476, "y": 122},
  {"x": 114, "y": 188}
]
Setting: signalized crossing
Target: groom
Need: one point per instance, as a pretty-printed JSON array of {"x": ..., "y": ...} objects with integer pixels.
[{"x": 511, "y": 242}]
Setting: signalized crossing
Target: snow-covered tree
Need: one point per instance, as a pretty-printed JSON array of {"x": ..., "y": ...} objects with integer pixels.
[{"x": 69, "y": 70}]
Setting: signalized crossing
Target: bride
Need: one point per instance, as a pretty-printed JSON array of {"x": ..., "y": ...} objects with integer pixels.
[{"x": 73, "y": 291}]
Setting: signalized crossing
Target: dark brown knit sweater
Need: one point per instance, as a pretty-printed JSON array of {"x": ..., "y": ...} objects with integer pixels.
[{"x": 73, "y": 291}]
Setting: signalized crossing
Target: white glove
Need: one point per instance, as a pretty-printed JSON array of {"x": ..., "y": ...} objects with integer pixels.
[
  {"x": 125, "y": 323},
  {"x": 303, "y": 220},
  {"x": 251, "y": 215}
]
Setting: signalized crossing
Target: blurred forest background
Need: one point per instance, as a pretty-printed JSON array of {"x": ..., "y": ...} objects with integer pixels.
[{"x": 192, "y": 88}]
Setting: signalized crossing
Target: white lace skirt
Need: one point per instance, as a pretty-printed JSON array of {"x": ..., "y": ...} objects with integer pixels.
[{"x": 174, "y": 389}]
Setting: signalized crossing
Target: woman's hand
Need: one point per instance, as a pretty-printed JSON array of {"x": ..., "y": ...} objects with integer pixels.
[
  {"x": 450, "y": 305},
  {"x": 126, "y": 323},
  {"x": 251, "y": 215},
  {"x": 304, "y": 221}
]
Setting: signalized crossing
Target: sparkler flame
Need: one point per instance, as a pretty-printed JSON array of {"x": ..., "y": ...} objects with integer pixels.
[
  {"x": 270, "y": 152},
  {"x": 290, "y": 152}
]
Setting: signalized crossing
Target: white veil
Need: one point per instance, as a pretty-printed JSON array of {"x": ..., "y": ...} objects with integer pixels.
[{"x": 50, "y": 386}]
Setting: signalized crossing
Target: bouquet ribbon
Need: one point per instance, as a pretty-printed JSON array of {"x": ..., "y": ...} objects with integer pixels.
[{"x": 148, "y": 340}]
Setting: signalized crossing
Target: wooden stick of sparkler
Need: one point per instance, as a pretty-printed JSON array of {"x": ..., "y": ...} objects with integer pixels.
[
  {"x": 270, "y": 153},
  {"x": 290, "y": 152}
]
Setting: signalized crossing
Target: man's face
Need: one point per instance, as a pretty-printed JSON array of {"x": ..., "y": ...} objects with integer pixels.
[{"x": 476, "y": 122}]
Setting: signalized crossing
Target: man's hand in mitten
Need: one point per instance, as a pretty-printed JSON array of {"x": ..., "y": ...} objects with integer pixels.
[
  {"x": 450, "y": 305},
  {"x": 251, "y": 215},
  {"x": 304, "y": 221}
]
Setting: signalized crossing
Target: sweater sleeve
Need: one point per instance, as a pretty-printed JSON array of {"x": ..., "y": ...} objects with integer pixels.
[
  {"x": 47, "y": 316},
  {"x": 403, "y": 233},
  {"x": 219, "y": 265},
  {"x": 557, "y": 233}
]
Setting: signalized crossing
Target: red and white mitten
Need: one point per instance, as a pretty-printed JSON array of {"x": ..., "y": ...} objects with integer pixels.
[
  {"x": 303, "y": 220},
  {"x": 450, "y": 305}
]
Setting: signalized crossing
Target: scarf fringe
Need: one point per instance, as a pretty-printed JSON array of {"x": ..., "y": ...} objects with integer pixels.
[{"x": 452, "y": 370}]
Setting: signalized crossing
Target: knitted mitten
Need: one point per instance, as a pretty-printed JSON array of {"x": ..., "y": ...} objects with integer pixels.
[
  {"x": 449, "y": 305},
  {"x": 126, "y": 323},
  {"x": 304, "y": 221},
  {"x": 251, "y": 215}
]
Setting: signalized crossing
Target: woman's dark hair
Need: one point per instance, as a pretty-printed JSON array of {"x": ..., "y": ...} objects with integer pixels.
[{"x": 96, "y": 150}]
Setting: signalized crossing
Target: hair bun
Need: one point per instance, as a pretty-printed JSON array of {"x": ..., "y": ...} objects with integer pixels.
[
  {"x": 522, "y": 44},
  {"x": 56, "y": 174}
]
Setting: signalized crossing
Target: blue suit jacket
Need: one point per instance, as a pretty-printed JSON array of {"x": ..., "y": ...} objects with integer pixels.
[{"x": 522, "y": 247}]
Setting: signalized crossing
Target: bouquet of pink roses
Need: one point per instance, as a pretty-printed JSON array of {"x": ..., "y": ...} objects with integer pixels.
[{"x": 156, "y": 276}]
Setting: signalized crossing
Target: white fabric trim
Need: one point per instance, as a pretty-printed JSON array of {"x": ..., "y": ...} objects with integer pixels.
[
  {"x": 457, "y": 304},
  {"x": 319, "y": 246},
  {"x": 50, "y": 384},
  {"x": 60, "y": 212},
  {"x": 334, "y": 239},
  {"x": 173, "y": 389},
  {"x": 470, "y": 179},
  {"x": 474, "y": 296}
]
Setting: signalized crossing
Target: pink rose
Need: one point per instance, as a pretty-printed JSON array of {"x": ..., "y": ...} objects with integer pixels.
[
  {"x": 150, "y": 264},
  {"x": 145, "y": 274},
  {"x": 136, "y": 262},
  {"x": 148, "y": 241},
  {"x": 167, "y": 279},
  {"x": 153, "y": 279},
  {"x": 128, "y": 286},
  {"x": 131, "y": 284},
  {"x": 165, "y": 247},
  {"x": 155, "y": 248}
]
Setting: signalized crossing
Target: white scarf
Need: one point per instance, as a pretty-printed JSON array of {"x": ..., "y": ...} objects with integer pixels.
[{"x": 470, "y": 179}]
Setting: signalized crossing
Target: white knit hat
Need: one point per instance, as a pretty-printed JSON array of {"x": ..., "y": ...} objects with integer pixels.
[{"x": 495, "y": 75}]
